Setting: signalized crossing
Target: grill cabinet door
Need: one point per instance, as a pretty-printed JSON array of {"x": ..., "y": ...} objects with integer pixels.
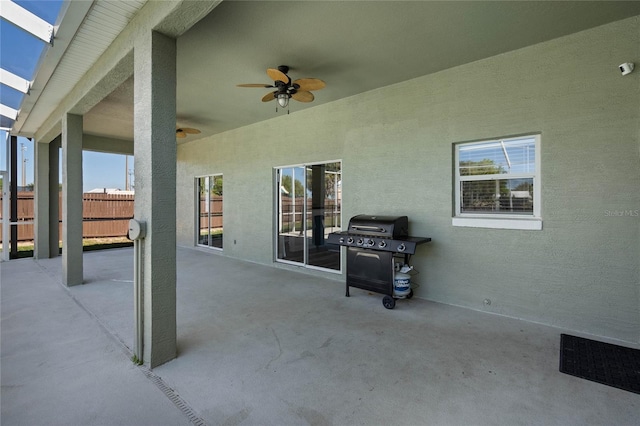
[{"x": 370, "y": 270}]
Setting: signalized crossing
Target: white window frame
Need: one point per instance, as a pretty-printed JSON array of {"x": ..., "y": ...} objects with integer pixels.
[{"x": 499, "y": 220}]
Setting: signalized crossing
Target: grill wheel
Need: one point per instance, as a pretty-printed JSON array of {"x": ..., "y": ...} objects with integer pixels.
[{"x": 388, "y": 302}]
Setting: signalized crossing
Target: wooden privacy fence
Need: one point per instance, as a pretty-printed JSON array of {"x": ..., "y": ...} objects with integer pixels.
[
  {"x": 292, "y": 211},
  {"x": 213, "y": 213},
  {"x": 104, "y": 215}
]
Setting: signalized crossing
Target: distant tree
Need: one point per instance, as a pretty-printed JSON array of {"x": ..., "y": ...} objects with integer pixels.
[
  {"x": 524, "y": 186},
  {"x": 217, "y": 186},
  {"x": 286, "y": 183},
  {"x": 482, "y": 167},
  {"x": 482, "y": 195},
  {"x": 330, "y": 179},
  {"x": 216, "y": 189}
]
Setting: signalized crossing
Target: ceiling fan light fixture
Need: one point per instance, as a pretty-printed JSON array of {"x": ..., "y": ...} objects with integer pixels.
[
  {"x": 283, "y": 99},
  {"x": 299, "y": 90}
]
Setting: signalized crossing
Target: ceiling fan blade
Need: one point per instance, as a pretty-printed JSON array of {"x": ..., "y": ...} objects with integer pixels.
[
  {"x": 277, "y": 75},
  {"x": 303, "y": 96},
  {"x": 189, "y": 130},
  {"x": 310, "y": 84},
  {"x": 269, "y": 97},
  {"x": 255, "y": 85},
  {"x": 180, "y": 134}
]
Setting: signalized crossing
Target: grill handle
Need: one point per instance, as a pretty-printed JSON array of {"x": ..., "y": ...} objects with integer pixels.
[{"x": 368, "y": 228}]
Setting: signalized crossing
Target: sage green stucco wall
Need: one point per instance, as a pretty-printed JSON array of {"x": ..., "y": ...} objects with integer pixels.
[{"x": 580, "y": 272}]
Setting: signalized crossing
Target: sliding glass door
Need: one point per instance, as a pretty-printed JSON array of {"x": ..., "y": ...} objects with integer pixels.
[{"x": 309, "y": 206}]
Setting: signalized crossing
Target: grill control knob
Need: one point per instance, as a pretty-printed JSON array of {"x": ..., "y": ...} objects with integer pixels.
[
  {"x": 350, "y": 240},
  {"x": 371, "y": 243},
  {"x": 402, "y": 247},
  {"x": 382, "y": 244},
  {"x": 341, "y": 240},
  {"x": 360, "y": 242}
]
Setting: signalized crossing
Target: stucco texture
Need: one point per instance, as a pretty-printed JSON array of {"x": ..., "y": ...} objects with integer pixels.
[{"x": 580, "y": 272}]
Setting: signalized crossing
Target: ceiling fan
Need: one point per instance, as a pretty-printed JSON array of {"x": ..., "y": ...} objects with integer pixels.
[
  {"x": 181, "y": 132},
  {"x": 299, "y": 89}
]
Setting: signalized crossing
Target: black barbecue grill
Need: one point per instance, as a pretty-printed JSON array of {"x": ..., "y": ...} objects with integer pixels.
[{"x": 372, "y": 243}]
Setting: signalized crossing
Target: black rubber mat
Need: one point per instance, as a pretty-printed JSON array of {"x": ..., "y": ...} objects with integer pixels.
[{"x": 611, "y": 365}]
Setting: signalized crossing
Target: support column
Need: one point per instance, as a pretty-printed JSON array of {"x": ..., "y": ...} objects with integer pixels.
[
  {"x": 13, "y": 197},
  {"x": 155, "y": 201},
  {"x": 41, "y": 227},
  {"x": 72, "y": 200},
  {"x": 54, "y": 197}
]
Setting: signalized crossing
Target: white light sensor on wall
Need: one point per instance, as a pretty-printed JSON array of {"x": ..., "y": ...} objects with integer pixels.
[{"x": 626, "y": 68}]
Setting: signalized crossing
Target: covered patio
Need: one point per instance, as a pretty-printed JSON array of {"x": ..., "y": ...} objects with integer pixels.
[
  {"x": 273, "y": 346},
  {"x": 410, "y": 108}
]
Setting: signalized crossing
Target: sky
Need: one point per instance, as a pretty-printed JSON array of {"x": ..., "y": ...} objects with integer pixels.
[
  {"x": 19, "y": 54},
  {"x": 20, "y": 51},
  {"x": 99, "y": 170}
]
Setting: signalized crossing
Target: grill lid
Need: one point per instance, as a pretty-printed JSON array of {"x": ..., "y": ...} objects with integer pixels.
[{"x": 380, "y": 226}]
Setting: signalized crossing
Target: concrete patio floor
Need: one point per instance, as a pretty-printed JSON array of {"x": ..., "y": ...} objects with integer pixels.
[{"x": 268, "y": 346}]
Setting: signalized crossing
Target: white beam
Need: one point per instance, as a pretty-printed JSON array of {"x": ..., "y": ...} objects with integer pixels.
[
  {"x": 26, "y": 20},
  {"x": 10, "y": 79},
  {"x": 8, "y": 112}
]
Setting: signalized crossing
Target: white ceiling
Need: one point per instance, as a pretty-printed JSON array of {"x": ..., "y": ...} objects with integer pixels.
[{"x": 354, "y": 46}]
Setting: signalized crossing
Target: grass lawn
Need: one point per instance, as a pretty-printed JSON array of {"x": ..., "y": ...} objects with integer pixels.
[{"x": 25, "y": 249}]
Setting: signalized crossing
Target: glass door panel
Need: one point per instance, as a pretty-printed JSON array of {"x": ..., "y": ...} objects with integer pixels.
[
  {"x": 203, "y": 211},
  {"x": 209, "y": 229},
  {"x": 215, "y": 211},
  {"x": 324, "y": 201},
  {"x": 291, "y": 212}
]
